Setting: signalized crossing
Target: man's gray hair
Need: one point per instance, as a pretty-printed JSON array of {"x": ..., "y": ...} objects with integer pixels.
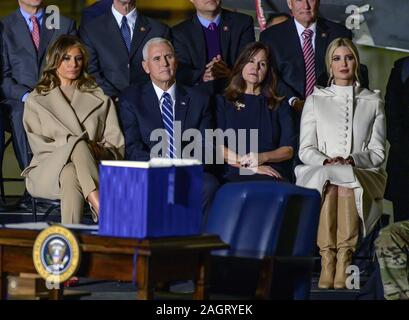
[{"x": 154, "y": 41}]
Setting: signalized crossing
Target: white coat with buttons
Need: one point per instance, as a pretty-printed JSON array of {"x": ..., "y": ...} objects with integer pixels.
[{"x": 345, "y": 121}]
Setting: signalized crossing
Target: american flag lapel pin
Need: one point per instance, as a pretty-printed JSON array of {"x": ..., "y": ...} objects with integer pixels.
[
  {"x": 323, "y": 35},
  {"x": 183, "y": 103},
  {"x": 225, "y": 28},
  {"x": 143, "y": 29}
]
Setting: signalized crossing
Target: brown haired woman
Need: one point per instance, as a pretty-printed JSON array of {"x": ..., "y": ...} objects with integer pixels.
[
  {"x": 70, "y": 125},
  {"x": 250, "y": 102},
  {"x": 342, "y": 146}
]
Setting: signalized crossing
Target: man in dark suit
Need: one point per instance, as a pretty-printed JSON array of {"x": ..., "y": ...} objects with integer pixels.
[
  {"x": 95, "y": 10},
  {"x": 287, "y": 41},
  {"x": 163, "y": 104},
  {"x": 116, "y": 61},
  {"x": 397, "y": 116},
  {"x": 26, "y": 34},
  {"x": 208, "y": 44}
]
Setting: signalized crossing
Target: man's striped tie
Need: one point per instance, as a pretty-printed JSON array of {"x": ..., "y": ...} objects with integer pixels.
[
  {"x": 309, "y": 60},
  {"x": 167, "y": 117},
  {"x": 35, "y": 34},
  {"x": 126, "y": 33}
]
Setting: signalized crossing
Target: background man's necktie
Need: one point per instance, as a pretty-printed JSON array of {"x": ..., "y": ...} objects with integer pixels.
[
  {"x": 126, "y": 33},
  {"x": 212, "y": 26},
  {"x": 35, "y": 34},
  {"x": 167, "y": 117},
  {"x": 309, "y": 60}
]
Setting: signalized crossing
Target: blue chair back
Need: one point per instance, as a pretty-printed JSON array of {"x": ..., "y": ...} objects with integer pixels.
[{"x": 261, "y": 218}]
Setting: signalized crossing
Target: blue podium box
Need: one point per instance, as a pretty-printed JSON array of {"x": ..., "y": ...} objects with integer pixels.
[{"x": 150, "y": 199}]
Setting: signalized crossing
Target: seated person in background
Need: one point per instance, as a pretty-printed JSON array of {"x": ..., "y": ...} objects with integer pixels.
[
  {"x": 392, "y": 250},
  {"x": 397, "y": 118},
  {"x": 342, "y": 146},
  {"x": 114, "y": 41},
  {"x": 208, "y": 44},
  {"x": 70, "y": 125},
  {"x": 250, "y": 102},
  {"x": 162, "y": 103}
]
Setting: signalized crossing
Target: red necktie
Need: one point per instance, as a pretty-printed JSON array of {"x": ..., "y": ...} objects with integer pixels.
[
  {"x": 309, "y": 60},
  {"x": 35, "y": 34}
]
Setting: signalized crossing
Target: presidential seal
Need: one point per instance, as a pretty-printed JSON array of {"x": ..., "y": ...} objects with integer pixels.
[{"x": 56, "y": 254}]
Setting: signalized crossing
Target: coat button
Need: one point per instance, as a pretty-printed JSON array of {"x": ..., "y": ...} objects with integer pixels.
[
  {"x": 346, "y": 128},
  {"x": 344, "y": 142}
]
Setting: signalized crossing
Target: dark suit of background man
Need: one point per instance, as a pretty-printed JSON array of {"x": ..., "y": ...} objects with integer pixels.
[
  {"x": 397, "y": 117},
  {"x": 158, "y": 104},
  {"x": 95, "y": 10},
  {"x": 25, "y": 41},
  {"x": 208, "y": 43},
  {"x": 286, "y": 41},
  {"x": 114, "y": 41}
]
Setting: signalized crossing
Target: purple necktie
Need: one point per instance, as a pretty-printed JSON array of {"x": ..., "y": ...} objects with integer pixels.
[{"x": 212, "y": 26}]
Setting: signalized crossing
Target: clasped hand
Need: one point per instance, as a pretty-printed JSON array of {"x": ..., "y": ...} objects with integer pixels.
[
  {"x": 253, "y": 161},
  {"x": 339, "y": 160},
  {"x": 216, "y": 69}
]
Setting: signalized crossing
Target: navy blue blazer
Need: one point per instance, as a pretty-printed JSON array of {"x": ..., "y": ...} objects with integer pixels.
[
  {"x": 95, "y": 10},
  {"x": 236, "y": 31},
  {"x": 397, "y": 118},
  {"x": 284, "y": 43},
  {"x": 140, "y": 114},
  {"x": 110, "y": 63},
  {"x": 21, "y": 64}
]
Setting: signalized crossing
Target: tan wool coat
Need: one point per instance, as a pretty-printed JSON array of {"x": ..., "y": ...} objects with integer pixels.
[
  {"x": 345, "y": 121},
  {"x": 54, "y": 126}
]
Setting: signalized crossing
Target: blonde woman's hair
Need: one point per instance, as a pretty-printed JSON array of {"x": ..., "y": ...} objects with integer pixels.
[
  {"x": 55, "y": 54},
  {"x": 334, "y": 45}
]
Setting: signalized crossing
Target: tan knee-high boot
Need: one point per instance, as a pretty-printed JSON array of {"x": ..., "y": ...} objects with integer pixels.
[
  {"x": 326, "y": 240},
  {"x": 347, "y": 237}
]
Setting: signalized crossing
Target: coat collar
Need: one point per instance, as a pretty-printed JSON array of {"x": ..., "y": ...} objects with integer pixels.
[
  {"x": 70, "y": 116},
  {"x": 359, "y": 92}
]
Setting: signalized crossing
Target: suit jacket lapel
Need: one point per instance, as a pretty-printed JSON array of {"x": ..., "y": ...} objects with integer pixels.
[
  {"x": 45, "y": 37},
  {"x": 181, "y": 106},
  {"x": 84, "y": 103},
  {"x": 198, "y": 41},
  {"x": 298, "y": 58},
  {"x": 22, "y": 33},
  {"x": 115, "y": 39},
  {"x": 151, "y": 106},
  {"x": 141, "y": 30},
  {"x": 58, "y": 107},
  {"x": 321, "y": 39},
  {"x": 225, "y": 36}
]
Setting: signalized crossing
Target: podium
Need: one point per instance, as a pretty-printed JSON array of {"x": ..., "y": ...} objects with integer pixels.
[{"x": 146, "y": 261}]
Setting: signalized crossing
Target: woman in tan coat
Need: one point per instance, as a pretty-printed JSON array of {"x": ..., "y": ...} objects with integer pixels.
[
  {"x": 342, "y": 146},
  {"x": 70, "y": 125}
]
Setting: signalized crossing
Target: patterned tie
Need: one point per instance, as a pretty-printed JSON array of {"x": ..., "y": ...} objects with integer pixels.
[
  {"x": 35, "y": 34},
  {"x": 212, "y": 26},
  {"x": 309, "y": 60},
  {"x": 126, "y": 33},
  {"x": 167, "y": 118}
]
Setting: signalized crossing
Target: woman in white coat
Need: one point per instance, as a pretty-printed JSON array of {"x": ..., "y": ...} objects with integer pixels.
[{"x": 342, "y": 146}]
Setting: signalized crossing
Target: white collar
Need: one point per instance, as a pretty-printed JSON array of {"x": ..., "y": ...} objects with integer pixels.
[
  {"x": 131, "y": 17},
  {"x": 301, "y": 28},
  {"x": 159, "y": 92}
]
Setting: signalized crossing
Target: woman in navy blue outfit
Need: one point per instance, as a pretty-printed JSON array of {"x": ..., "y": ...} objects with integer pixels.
[{"x": 250, "y": 102}]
